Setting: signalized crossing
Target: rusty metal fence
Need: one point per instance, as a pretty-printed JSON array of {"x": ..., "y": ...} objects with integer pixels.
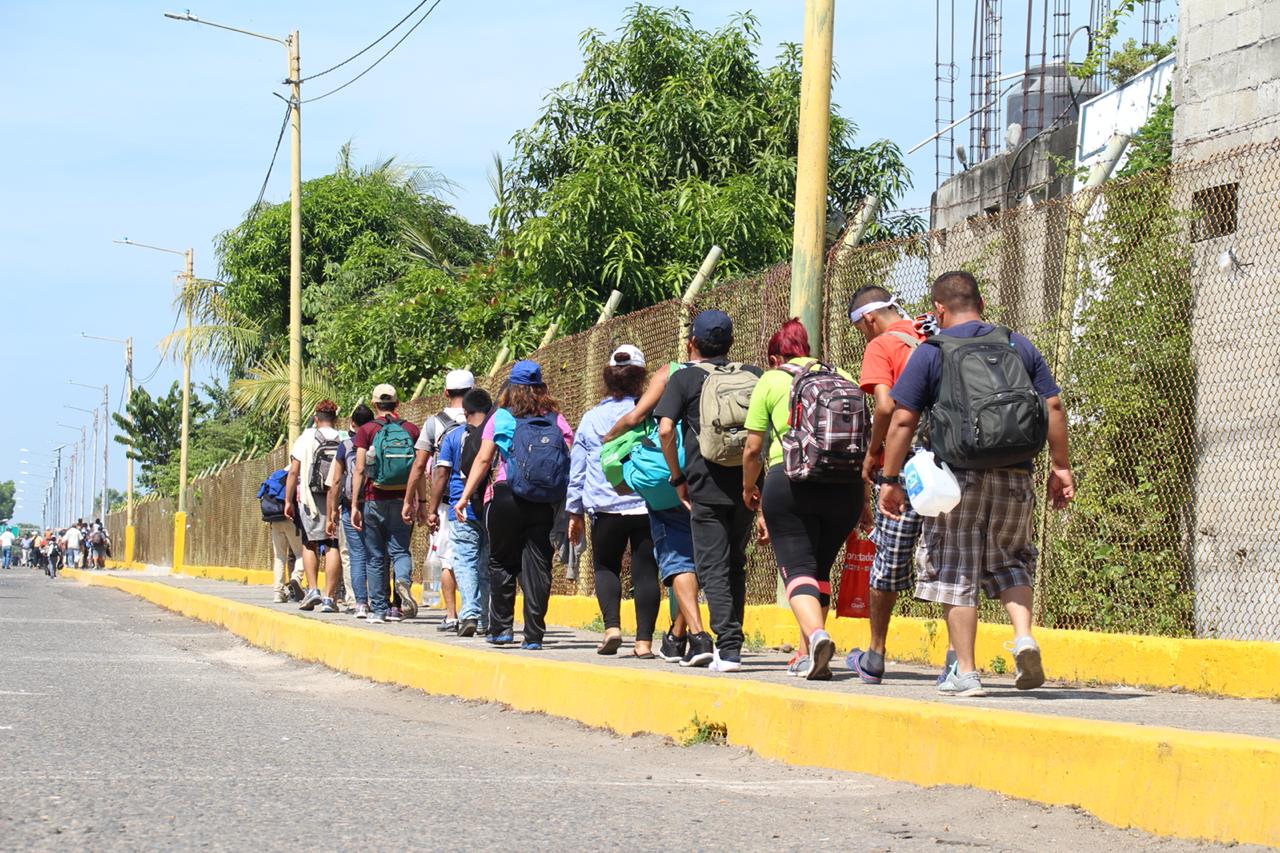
[{"x": 1149, "y": 298}]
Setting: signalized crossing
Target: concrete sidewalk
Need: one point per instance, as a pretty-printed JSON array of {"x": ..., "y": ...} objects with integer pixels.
[
  {"x": 1258, "y": 717},
  {"x": 1194, "y": 767}
]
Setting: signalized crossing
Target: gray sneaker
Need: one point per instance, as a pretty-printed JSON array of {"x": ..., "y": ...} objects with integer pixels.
[
  {"x": 962, "y": 684},
  {"x": 408, "y": 606},
  {"x": 821, "y": 650},
  {"x": 377, "y": 618},
  {"x": 312, "y": 598},
  {"x": 1026, "y": 655},
  {"x": 328, "y": 606},
  {"x": 798, "y": 665},
  {"x": 282, "y": 597}
]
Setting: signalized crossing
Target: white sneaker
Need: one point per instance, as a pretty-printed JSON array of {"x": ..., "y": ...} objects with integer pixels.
[
  {"x": 362, "y": 611},
  {"x": 821, "y": 650},
  {"x": 719, "y": 664},
  {"x": 282, "y": 597},
  {"x": 1026, "y": 656}
]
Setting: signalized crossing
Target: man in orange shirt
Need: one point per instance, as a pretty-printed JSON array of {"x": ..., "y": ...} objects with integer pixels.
[{"x": 891, "y": 339}]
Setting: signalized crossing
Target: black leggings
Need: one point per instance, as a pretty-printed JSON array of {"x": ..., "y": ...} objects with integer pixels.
[
  {"x": 519, "y": 549},
  {"x": 808, "y": 522},
  {"x": 610, "y": 533}
]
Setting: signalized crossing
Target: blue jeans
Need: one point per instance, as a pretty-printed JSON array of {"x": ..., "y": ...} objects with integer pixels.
[
  {"x": 471, "y": 568},
  {"x": 7, "y": 557},
  {"x": 73, "y": 558},
  {"x": 356, "y": 554},
  {"x": 672, "y": 542},
  {"x": 386, "y": 538}
]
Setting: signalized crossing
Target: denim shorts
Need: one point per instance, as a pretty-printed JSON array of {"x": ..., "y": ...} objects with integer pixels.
[{"x": 672, "y": 542}]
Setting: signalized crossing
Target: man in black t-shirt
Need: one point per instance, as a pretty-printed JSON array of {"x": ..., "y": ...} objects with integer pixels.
[{"x": 720, "y": 522}]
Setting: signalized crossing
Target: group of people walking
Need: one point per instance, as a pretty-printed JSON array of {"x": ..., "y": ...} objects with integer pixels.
[
  {"x": 675, "y": 471},
  {"x": 81, "y": 545}
]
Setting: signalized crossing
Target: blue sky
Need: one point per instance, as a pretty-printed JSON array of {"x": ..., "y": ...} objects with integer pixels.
[{"x": 118, "y": 122}]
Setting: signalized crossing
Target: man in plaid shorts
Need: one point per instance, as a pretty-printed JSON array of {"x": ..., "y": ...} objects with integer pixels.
[
  {"x": 985, "y": 542},
  {"x": 891, "y": 339}
]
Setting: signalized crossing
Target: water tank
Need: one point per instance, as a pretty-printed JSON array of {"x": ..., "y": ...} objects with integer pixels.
[{"x": 1046, "y": 94}]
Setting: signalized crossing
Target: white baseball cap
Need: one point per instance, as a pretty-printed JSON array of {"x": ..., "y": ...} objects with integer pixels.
[
  {"x": 459, "y": 380},
  {"x": 385, "y": 393},
  {"x": 627, "y": 355}
]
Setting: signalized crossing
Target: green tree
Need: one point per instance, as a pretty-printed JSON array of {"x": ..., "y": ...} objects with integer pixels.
[
  {"x": 115, "y": 499},
  {"x": 361, "y": 227},
  {"x": 153, "y": 434},
  {"x": 7, "y": 502},
  {"x": 669, "y": 140}
]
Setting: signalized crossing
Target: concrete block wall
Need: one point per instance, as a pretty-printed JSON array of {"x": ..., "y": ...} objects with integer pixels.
[
  {"x": 1227, "y": 95},
  {"x": 1225, "y": 85}
]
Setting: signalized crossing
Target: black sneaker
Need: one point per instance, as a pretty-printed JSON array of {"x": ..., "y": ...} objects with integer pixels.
[
  {"x": 467, "y": 628},
  {"x": 296, "y": 592},
  {"x": 701, "y": 651},
  {"x": 672, "y": 648},
  {"x": 408, "y": 606}
]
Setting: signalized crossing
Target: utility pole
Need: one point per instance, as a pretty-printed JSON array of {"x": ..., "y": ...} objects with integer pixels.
[
  {"x": 811, "y": 170},
  {"x": 295, "y": 240},
  {"x": 106, "y": 439},
  {"x": 186, "y": 384},
  {"x": 106, "y": 422}
]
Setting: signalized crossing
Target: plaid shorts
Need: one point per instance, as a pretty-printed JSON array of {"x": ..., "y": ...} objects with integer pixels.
[
  {"x": 895, "y": 540},
  {"x": 985, "y": 542}
]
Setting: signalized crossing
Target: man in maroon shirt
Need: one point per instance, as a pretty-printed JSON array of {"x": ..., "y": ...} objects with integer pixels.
[{"x": 375, "y": 512}]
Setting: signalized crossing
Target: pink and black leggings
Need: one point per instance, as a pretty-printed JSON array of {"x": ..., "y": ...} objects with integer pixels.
[{"x": 808, "y": 523}]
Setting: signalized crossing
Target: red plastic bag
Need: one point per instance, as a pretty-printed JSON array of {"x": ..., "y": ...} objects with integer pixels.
[{"x": 855, "y": 577}]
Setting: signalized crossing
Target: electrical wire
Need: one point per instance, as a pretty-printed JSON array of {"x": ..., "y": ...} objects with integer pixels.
[
  {"x": 262, "y": 192},
  {"x": 376, "y": 62},
  {"x": 367, "y": 47}
]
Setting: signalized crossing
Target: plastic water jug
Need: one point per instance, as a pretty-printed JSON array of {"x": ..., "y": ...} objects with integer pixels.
[{"x": 933, "y": 490}]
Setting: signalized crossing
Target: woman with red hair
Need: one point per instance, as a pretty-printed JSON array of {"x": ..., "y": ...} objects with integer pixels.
[{"x": 807, "y": 520}]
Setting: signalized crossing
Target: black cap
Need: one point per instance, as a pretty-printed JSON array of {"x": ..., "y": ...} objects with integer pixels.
[{"x": 712, "y": 327}]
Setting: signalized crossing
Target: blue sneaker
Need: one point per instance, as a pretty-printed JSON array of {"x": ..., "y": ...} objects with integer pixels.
[
  {"x": 948, "y": 668},
  {"x": 500, "y": 639},
  {"x": 857, "y": 663},
  {"x": 532, "y": 647}
]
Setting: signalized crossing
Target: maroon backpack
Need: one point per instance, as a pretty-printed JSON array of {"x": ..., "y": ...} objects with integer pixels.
[{"x": 827, "y": 437}]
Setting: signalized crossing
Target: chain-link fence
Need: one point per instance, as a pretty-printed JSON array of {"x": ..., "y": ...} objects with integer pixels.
[{"x": 1142, "y": 296}]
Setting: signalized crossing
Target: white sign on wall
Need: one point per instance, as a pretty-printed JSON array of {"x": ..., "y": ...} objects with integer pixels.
[{"x": 1122, "y": 110}]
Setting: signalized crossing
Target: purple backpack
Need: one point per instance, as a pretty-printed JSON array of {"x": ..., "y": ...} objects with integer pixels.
[{"x": 828, "y": 426}]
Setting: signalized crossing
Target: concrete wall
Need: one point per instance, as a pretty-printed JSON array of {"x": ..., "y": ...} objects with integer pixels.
[{"x": 1227, "y": 95}]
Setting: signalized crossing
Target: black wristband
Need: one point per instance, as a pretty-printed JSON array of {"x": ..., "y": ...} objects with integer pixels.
[
  {"x": 678, "y": 480},
  {"x": 895, "y": 480}
]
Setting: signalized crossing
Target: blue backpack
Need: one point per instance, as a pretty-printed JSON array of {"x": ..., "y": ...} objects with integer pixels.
[
  {"x": 271, "y": 495},
  {"x": 538, "y": 469},
  {"x": 646, "y": 473}
]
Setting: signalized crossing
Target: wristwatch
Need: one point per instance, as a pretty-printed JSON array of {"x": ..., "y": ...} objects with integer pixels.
[
  {"x": 677, "y": 480},
  {"x": 895, "y": 480}
]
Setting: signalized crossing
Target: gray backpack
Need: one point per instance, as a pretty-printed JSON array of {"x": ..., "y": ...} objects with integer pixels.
[{"x": 722, "y": 410}]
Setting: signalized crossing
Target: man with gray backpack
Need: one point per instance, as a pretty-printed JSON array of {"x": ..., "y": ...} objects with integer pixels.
[
  {"x": 306, "y": 499},
  {"x": 384, "y": 459},
  {"x": 709, "y": 401},
  {"x": 992, "y": 404}
]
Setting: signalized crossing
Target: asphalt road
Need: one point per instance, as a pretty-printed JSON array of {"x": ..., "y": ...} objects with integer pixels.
[{"x": 125, "y": 727}]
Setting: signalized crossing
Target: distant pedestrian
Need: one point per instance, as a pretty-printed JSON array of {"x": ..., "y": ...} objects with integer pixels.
[
  {"x": 306, "y": 499},
  {"x": 533, "y": 441},
  {"x": 617, "y": 521},
  {"x": 72, "y": 540},
  {"x": 985, "y": 542},
  {"x": 708, "y": 402},
  {"x": 812, "y": 501},
  {"x": 6, "y": 548},
  {"x": 286, "y": 539},
  {"x": 384, "y": 460}
]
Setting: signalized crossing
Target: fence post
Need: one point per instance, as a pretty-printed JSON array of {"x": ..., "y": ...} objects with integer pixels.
[
  {"x": 705, "y": 272},
  {"x": 550, "y": 334},
  {"x": 499, "y": 360}
]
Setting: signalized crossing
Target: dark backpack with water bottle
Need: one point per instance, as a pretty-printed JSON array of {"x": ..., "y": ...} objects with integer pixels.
[{"x": 271, "y": 495}]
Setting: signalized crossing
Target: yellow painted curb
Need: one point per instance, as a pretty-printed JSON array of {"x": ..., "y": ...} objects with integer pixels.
[
  {"x": 124, "y": 565},
  {"x": 1243, "y": 669},
  {"x": 1221, "y": 787}
]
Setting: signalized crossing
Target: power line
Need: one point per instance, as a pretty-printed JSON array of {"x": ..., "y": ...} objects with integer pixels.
[
  {"x": 376, "y": 62},
  {"x": 367, "y": 47},
  {"x": 262, "y": 192}
]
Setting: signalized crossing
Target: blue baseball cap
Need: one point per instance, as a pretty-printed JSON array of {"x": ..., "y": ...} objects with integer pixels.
[
  {"x": 526, "y": 373},
  {"x": 712, "y": 327}
]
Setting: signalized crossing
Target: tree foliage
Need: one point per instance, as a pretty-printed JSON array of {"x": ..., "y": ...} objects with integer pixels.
[
  {"x": 7, "y": 491},
  {"x": 152, "y": 432},
  {"x": 671, "y": 139}
]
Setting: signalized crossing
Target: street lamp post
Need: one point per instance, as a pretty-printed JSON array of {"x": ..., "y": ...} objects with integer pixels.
[
  {"x": 106, "y": 441},
  {"x": 295, "y": 210},
  {"x": 93, "y": 458},
  {"x": 77, "y": 465}
]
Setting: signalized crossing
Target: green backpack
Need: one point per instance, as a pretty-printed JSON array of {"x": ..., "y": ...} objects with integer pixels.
[
  {"x": 391, "y": 457},
  {"x": 616, "y": 451}
]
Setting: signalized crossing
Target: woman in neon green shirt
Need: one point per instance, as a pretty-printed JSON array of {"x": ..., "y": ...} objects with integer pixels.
[{"x": 807, "y": 522}]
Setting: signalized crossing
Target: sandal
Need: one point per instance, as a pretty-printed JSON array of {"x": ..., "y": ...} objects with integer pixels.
[{"x": 610, "y": 645}]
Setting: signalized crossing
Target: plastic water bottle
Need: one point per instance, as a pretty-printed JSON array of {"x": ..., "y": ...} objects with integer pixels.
[
  {"x": 933, "y": 490},
  {"x": 434, "y": 567}
]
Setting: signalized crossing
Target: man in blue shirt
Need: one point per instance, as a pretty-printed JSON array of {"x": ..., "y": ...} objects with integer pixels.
[
  {"x": 985, "y": 542},
  {"x": 470, "y": 539}
]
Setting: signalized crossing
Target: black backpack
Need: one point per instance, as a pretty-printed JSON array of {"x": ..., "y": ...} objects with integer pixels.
[
  {"x": 322, "y": 463},
  {"x": 471, "y": 438},
  {"x": 987, "y": 413}
]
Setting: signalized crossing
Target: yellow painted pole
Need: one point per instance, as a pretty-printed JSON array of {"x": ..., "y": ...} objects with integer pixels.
[
  {"x": 130, "y": 534},
  {"x": 295, "y": 243},
  {"x": 811, "y": 169},
  {"x": 189, "y": 281}
]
